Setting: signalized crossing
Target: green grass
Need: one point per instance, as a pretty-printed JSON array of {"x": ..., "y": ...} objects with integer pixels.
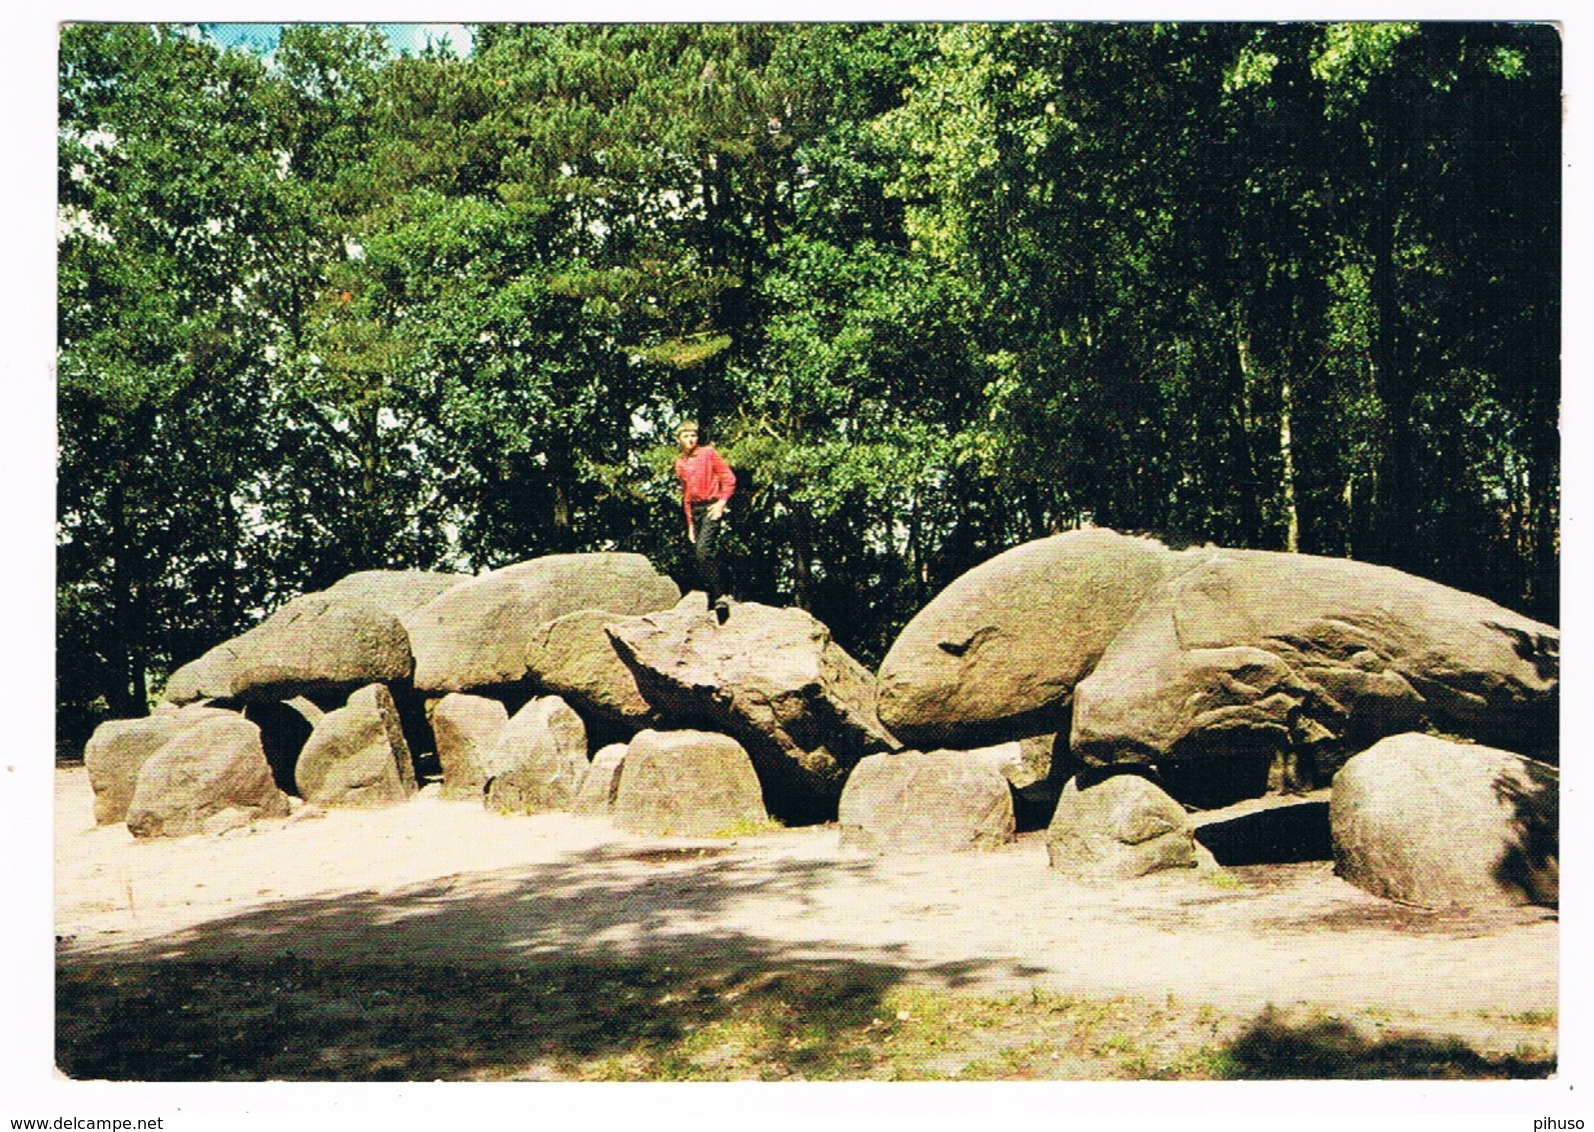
[
  {"x": 1222, "y": 879},
  {"x": 289, "y": 1018},
  {"x": 750, "y": 827}
]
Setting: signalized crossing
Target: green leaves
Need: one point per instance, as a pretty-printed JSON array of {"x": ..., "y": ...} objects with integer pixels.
[{"x": 934, "y": 289}]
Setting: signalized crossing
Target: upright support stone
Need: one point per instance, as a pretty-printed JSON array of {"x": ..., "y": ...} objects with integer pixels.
[
  {"x": 913, "y": 802},
  {"x": 539, "y": 759},
  {"x": 466, "y": 727},
  {"x": 357, "y": 756},
  {"x": 687, "y": 784},
  {"x": 207, "y": 779}
]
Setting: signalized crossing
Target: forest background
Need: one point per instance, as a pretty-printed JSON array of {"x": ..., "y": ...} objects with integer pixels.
[{"x": 934, "y": 290}]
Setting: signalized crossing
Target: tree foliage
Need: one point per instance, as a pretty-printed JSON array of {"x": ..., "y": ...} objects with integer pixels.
[{"x": 934, "y": 290}]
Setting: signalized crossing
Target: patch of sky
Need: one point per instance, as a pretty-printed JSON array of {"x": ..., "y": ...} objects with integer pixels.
[{"x": 402, "y": 39}]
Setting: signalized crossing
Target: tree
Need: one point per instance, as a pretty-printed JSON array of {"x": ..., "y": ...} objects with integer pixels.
[
  {"x": 174, "y": 220},
  {"x": 934, "y": 289}
]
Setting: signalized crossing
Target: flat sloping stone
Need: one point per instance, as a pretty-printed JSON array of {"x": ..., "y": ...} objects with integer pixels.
[
  {"x": 1119, "y": 829},
  {"x": 319, "y": 644},
  {"x": 572, "y": 657},
  {"x": 686, "y": 784},
  {"x": 1427, "y": 821},
  {"x": 366, "y": 596},
  {"x": 996, "y": 655},
  {"x": 916, "y": 802},
  {"x": 395, "y": 592},
  {"x": 208, "y": 677},
  {"x": 357, "y": 755},
  {"x": 539, "y": 759},
  {"x": 476, "y": 634},
  {"x": 207, "y": 779},
  {"x": 599, "y": 787},
  {"x": 771, "y": 678}
]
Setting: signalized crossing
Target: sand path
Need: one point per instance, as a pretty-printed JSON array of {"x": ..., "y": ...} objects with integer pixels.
[{"x": 445, "y": 881}]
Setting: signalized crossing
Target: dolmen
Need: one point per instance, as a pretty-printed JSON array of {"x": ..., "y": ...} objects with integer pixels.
[{"x": 1112, "y": 691}]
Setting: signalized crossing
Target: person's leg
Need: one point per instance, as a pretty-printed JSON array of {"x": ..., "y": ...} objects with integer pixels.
[{"x": 706, "y": 549}]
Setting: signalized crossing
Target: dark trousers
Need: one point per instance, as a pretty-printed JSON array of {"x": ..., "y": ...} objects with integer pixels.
[{"x": 705, "y": 546}]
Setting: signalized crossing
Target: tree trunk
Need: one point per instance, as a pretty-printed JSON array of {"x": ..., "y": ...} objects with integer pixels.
[
  {"x": 560, "y": 476},
  {"x": 802, "y": 557},
  {"x": 126, "y": 697},
  {"x": 1395, "y": 531},
  {"x": 1249, "y": 511},
  {"x": 1292, "y": 519}
]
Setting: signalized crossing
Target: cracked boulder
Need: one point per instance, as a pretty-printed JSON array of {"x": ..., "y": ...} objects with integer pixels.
[
  {"x": 1251, "y": 670},
  {"x": 775, "y": 681},
  {"x": 573, "y": 657}
]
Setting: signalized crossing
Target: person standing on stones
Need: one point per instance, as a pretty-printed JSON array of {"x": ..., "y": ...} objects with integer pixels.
[{"x": 707, "y": 483}]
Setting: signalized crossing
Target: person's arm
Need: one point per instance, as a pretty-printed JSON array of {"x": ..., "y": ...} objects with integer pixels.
[
  {"x": 680, "y": 474},
  {"x": 725, "y": 480}
]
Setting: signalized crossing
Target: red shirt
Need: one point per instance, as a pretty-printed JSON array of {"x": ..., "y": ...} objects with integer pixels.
[{"x": 704, "y": 476}]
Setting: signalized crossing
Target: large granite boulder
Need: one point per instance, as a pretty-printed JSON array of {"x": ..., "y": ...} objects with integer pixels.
[
  {"x": 1245, "y": 657},
  {"x": 396, "y": 592},
  {"x": 996, "y": 655},
  {"x": 318, "y": 645},
  {"x": 1431, "y": 822},
  {"x": 357, "y": 755},
  {"x": 572, "y": 657},
  {"x": 771, "y": 678},
  {"x": 686, "y": 784},
  {"x": 539, "y": 759},
  {"x": 916, "y": 802},
  {"x": 209, "y": 677},
  {"x": 475, "y": 634},
  {"x": 601, "y": 784},
  {"x": 119, "y": 748},
  {"x": 208, "y": 778},
  {"x": 260, "y": 664},
  {"x": 465, "y": 728},
  {"x": 1119, "y": 829}
]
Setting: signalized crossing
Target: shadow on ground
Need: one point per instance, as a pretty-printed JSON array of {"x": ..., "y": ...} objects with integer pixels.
[
  {"x": 473, "y": 974},
  {"x": 1273, "y": 1049},
  {"x": 601, "y": 965},
  {"x": 291, "y": 1018}
]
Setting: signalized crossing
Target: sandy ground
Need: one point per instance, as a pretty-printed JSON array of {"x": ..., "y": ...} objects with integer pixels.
[{"x": 445, "y": 881}]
